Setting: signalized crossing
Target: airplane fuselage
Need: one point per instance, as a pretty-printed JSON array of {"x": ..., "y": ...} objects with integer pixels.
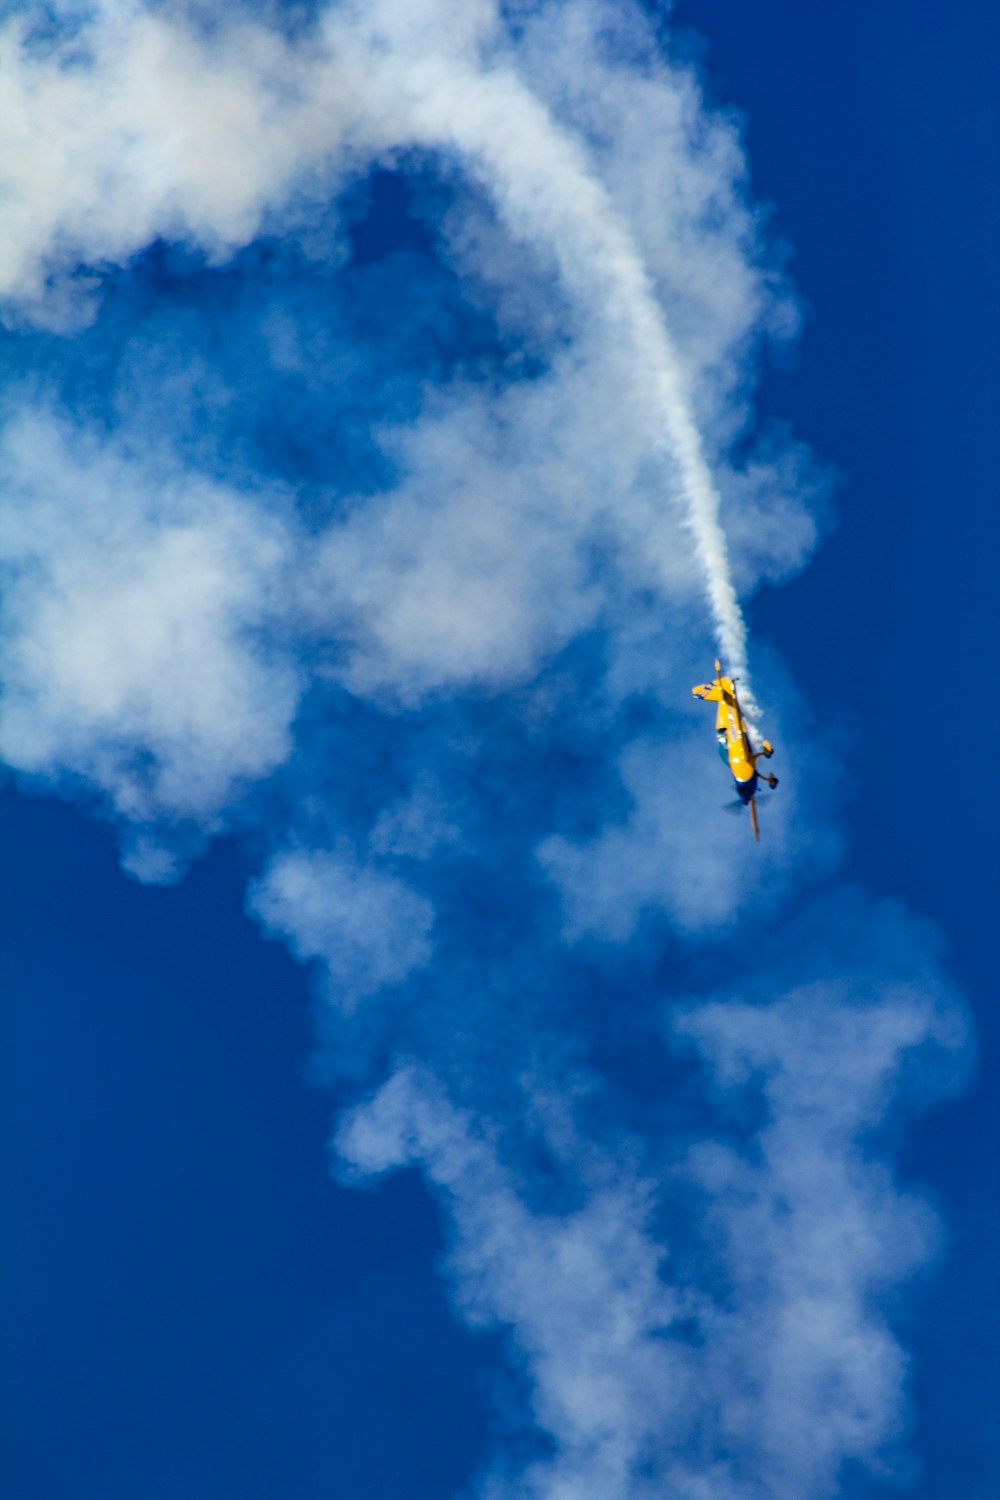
[
  {"x": 733, "y": 739},
  {"x": 729, "y": 722}
]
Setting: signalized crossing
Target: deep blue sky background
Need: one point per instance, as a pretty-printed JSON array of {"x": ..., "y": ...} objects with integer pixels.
[
  {"x": 875, "y": 132},
  {"x": 184, "y": 1288}
]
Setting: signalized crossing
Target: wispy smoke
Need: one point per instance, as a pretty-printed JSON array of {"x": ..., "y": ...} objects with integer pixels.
[
  {"x": 542, "y": 183},
  {"x": 398, "y": 557},
  {"x": 136, "y": 599},
  {"x": 280, "y": 119},
  {"x": 701, "y": 1317}
]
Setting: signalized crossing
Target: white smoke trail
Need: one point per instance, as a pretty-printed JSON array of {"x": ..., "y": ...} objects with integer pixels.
[
  {"x": 542, "y": 185},
  {"x": 386, "y": 77}
]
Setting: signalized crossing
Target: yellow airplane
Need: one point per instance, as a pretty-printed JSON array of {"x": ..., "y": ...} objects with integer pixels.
[{"x": 735, "y": 745}]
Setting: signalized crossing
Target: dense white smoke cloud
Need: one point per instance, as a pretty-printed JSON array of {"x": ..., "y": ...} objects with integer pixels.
[
  {"x": 205, "y": 135},
  {"x": 136, "y": 599},
  {"x": 427, "y": 677},
  {"x": 732, "y": 1294},
  {"x": 139, "y": 125},
  {"x": 583, "y": 1290}
]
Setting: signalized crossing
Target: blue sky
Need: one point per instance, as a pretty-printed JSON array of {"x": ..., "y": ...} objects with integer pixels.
[{"x": 414, "y": 1083}]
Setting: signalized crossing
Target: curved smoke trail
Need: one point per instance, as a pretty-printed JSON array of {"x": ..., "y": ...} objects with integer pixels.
[
  {"x": 387, "y": 77},
  {"x": 540, "y": 181}
]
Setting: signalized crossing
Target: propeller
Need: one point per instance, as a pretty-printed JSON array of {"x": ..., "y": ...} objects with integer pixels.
[{"x": 738, "y": 805}]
